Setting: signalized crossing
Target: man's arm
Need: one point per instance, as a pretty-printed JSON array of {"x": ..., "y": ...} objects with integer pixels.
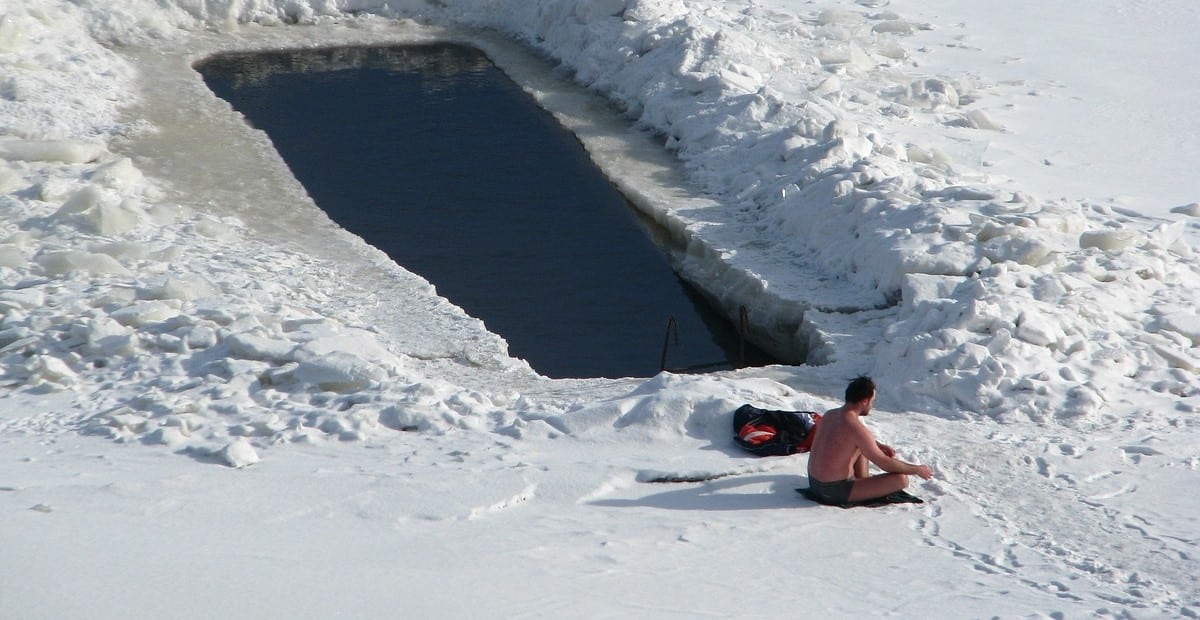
[{"x": 878, "y": 454}]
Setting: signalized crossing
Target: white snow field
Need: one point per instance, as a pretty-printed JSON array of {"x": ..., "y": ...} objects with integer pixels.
[{"x": 216, "y": 403}]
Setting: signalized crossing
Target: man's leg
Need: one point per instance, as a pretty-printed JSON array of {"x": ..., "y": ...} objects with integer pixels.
[{"x": 878, "y": 485}]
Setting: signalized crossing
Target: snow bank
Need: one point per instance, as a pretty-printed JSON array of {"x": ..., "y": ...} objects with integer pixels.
[{"x": 670, "y": 407}]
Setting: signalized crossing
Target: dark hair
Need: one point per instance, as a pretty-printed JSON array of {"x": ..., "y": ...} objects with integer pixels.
[{"x": 860, "y": 389}]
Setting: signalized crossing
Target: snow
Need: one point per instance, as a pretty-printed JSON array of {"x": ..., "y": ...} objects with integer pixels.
[{"x": 216, "y": 401}]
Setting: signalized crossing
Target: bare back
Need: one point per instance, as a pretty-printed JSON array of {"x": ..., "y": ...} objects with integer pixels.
[{"x": 838, "y": 443}]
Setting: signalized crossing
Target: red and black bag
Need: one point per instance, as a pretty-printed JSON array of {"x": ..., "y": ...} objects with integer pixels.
[{"x": 774, "y": 433}]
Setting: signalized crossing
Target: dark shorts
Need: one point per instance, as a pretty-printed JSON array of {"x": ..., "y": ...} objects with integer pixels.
[{"x": 831, "y": 492}]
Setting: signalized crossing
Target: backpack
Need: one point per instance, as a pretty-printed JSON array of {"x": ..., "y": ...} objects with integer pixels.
[{"x": 774, "y": 433}]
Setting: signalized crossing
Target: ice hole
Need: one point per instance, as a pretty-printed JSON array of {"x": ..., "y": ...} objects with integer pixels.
[{"x": 433, "y": 155}]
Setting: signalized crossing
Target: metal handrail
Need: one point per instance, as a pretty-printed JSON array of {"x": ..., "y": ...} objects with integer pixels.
[{"x": 673, "y": 329}]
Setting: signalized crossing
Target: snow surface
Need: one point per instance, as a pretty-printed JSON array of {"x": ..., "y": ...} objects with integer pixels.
[{"x": 218, "y": 402}]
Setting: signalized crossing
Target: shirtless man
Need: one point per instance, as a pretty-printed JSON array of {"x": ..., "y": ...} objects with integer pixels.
[{"x": 838, "y": 461}]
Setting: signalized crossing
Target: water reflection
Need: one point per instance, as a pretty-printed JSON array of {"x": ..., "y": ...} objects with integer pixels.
[{"x": 438, "y": 64}]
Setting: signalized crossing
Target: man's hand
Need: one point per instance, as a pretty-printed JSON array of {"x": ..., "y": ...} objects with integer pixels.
[
  {"x": 924, "y": 471},
  {"x": 887, "y": 450}
]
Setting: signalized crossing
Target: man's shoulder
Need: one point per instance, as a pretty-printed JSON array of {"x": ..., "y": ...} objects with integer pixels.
[{"x": 833, "y": 413}]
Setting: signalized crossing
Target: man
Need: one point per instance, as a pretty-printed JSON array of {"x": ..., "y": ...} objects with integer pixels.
[{"x": 838, "y": 461}]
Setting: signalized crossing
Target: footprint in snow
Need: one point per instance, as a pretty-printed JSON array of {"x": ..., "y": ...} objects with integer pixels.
[{"x": 1134, "y": 454}]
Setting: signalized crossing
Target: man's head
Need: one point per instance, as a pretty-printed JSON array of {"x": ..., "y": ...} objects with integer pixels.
[{"x": 860, "y": 391}]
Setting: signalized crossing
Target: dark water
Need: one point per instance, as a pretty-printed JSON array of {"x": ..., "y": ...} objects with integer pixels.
[{"x": 431, "y": 154}]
